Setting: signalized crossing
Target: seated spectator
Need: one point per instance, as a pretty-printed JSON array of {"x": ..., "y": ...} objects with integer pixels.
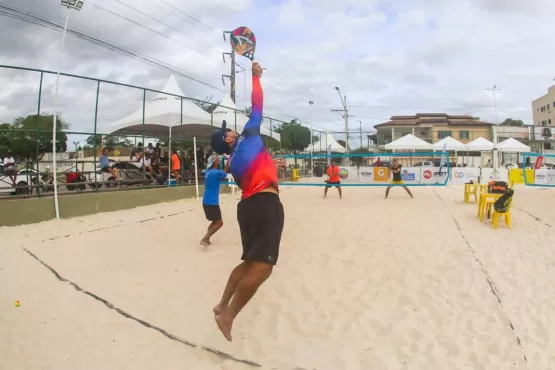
[
  {"x": 10, "y": 167},
  {"x": 136, "y": 153},
  {"x": 105, "y": 163}
]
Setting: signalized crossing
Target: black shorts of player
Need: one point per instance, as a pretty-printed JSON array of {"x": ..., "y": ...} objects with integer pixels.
[
  {"x": 335, "y": 183},
  {"x": 213, "y": 213},
  {"x": 261, "y": 221},
  {"x": 105, "y": 169}
]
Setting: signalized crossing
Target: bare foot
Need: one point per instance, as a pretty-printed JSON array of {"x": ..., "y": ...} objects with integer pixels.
[
  {"x": 219, "y": 309},
  {"x": 224, "y": 324},
  {"x": 205, "y": 243}
]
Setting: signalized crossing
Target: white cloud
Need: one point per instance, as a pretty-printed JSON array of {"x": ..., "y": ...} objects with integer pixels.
[{"x": 389, "y": 57}]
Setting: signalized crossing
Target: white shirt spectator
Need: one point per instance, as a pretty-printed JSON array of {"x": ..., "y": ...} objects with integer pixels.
[
  {"x": 9, "y": 162},
  {"x": 145, "y": 162}
]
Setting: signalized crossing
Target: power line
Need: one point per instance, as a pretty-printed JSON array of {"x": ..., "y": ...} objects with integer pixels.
[
  {"x": 272, "y": 70},
  {"x": 167, "y": 25},
  {"x": 192, "y": 18},
  {"x": 148, "y": 28},
  {"x": 44, "y": 22}
]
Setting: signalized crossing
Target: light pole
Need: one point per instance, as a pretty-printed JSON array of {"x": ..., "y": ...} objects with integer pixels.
[
  {"x": 494, "y": 133},
  {"x": 76, "y": 5},
  {"x": 311, "y": 103},
  {"x": 346, "y": 116}
]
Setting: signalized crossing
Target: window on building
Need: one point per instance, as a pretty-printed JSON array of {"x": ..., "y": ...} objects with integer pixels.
[
  {"x": 443, "y": 134},
  {"x": 464, "y": 135},
  {"x": 549, "y": 121},
  {"x": 543, "y": 109}
]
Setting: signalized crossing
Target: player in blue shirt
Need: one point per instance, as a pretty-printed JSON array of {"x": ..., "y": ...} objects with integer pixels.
[{"x": 211, "y": 197}]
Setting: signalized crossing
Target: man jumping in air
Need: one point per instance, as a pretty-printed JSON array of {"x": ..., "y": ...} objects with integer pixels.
[
  {"x": 259, "y": 213},
  {"x": 333, "y": 179},
  {"x": 211, "y": 198},
  {"x": 397, "y": 179}
]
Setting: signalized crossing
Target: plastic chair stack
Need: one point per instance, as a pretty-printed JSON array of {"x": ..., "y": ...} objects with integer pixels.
[{"x": 231, "y": 186}]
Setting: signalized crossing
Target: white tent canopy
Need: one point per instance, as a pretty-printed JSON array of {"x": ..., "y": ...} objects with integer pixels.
[
  {"x": 235, "y": 119},
  {"x": 513, "y": 146},
  {"x": 478, "y": 145},
  {"x": 452, "y": 144},
  {"x": 165, "y": 110},
  {"x": 322, "y": 145},
  {"x": 409, "y": 142}
]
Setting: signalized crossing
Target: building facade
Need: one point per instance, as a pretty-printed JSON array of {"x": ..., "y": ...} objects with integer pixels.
[
  {"x": 432, "y": 127},
  {"x": 543, "y": 109}
]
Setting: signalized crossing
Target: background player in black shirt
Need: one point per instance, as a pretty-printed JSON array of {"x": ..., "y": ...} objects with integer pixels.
[{"x": 397, "y": 179}]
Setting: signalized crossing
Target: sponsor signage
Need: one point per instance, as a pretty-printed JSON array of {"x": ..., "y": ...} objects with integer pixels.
[
  {"x": 408, "y": 176},
  {"x": 381, "y": 174}
]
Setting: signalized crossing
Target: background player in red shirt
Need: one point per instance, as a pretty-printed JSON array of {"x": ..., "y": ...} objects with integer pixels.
[
  {"x": 259, "y": 213},
  {"x": 333, "y": 179}
]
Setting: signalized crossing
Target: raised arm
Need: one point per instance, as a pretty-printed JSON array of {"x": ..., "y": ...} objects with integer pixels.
[{"x": 257, "y": 98}]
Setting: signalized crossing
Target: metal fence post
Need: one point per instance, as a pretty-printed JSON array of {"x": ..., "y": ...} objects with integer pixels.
[
  {"x": 38, "y": 134},
  {"x": 143, "y": 136},
  {"x": 94, "y": 135}
]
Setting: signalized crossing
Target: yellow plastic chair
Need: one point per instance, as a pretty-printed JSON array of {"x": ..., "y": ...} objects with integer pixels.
[
  {"x": 296, "y": 175},
  {"x": 470, "y": 189},
  {"x": 495, "y": 216}
]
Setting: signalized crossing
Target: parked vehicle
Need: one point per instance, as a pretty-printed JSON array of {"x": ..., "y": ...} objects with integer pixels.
[{"x": 24, "y": 181}]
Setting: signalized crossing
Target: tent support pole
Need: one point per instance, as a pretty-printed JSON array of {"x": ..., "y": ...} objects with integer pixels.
[{"x": 170, "y": 157}]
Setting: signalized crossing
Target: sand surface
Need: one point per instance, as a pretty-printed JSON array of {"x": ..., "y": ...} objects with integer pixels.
[{"x": 362, "y": 283}]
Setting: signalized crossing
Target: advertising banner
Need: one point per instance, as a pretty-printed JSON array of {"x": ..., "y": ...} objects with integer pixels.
[
  {"x": 381, "y": 174},
  {"x": 366, "y": 174},
  {"x": 463, "y": 175},
  {"x": 544, "y": 177},
  {"x": 348, "y": 173},
  {"x": 433, "y": 175},
  {"x": 411, "y": 175}
]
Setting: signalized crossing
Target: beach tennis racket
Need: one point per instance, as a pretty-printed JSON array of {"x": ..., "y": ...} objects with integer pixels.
[{"x": 243, "y": 42}]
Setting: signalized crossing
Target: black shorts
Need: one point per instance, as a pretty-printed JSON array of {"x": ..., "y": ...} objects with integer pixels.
[
  {"x": 213, "y": 213},
  {"x": 261, "y": 221},
  {"x": 335, "y": 183},
  {"x": 105, "y": 169}
]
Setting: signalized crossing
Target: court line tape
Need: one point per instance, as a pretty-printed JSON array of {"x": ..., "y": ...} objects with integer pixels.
[
  {"x": 535, "y": 217},
  {"x": 493, "y": 288},
  {"x": 140, "y": 321}
]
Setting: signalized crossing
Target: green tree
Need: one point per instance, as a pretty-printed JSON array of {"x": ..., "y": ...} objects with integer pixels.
[
  {"x": 513, "y": 122},
  {"x": 108, "y": 141},
  {"x": 31, "y": 136},
  {"x": 4, "y": 137},
  {"x": 294, "y": 135},
  {"x": 357, "y": 161}
]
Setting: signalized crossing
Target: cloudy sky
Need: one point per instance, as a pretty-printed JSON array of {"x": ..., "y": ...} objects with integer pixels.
[{"x": 389, "y": 57}]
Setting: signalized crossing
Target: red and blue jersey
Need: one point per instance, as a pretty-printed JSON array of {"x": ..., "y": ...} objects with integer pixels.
[{"x": 250, "y": 164}]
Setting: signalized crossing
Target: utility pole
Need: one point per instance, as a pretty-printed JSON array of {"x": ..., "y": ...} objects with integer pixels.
[
  {"x": 494, "y": 133},
  {"x": 360, "y": 123},
  {"x": 345, "y": 115},
  {"x": 231, "y": 76}
]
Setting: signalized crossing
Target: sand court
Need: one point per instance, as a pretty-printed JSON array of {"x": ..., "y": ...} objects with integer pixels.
[{"x": 361, "y": 283}]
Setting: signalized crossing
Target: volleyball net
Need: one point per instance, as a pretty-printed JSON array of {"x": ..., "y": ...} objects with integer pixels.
[
  {"x": 540, "y": 169},
  {"x": 367, "y": 169}
]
